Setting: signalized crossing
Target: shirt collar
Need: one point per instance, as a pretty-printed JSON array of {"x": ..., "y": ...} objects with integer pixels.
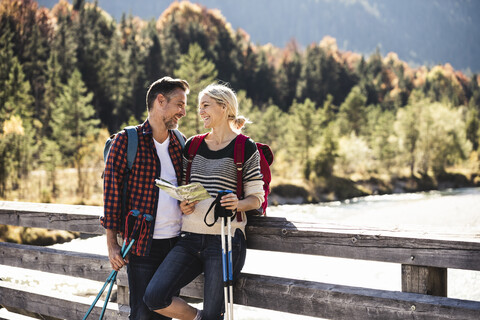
[{"x": 147, "y": 128}]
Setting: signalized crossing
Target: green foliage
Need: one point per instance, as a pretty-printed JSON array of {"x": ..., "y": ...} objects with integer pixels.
[
  {"x": 382, "y": 136},
  {"x": 408, "y": 133},
  {"x": 323, "y": 111},
  {"x": 15, "y": 98},
  {"x": 325, "y": 159},
  {"x": 352, "y": 114},
  {"x": 304, "y": 131},
  {"x": 51, "y": 160},
  {"x": 268, "y": 126},
  {"x": 199, "y": 72},
  {"x": 431, "y": 136},
  {"x": 442, "y": 138},
  {"x": 473, "y": 125},
  {"x": 16, "y": 151}
]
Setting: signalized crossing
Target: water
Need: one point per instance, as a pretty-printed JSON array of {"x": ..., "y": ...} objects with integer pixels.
[{"x": 445, "y": 214}]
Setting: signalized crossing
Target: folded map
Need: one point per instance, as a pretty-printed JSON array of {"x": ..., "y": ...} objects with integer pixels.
[{"x": 191, "y": 192}]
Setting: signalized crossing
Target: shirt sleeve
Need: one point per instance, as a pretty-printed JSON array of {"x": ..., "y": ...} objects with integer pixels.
[{"x": 115, "y": 167}]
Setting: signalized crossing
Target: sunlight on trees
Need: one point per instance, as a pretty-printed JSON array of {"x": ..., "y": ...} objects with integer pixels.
[{"x": 72, "y": 75}]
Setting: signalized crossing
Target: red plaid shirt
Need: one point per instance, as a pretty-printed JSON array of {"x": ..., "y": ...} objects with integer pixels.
[{"x": 142, "y": 194}]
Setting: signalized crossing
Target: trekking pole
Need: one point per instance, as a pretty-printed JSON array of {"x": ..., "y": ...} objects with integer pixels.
[
  {"x": 230, "y": 266},
  {"x": 124, "y": 251},
  {"x": 225, "y": 271}
]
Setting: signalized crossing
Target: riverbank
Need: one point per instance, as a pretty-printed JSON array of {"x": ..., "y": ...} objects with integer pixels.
[{"x": 338, "y": 188}]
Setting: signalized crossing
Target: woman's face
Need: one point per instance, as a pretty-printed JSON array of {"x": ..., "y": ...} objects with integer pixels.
[{"x": 211, "y": 112}]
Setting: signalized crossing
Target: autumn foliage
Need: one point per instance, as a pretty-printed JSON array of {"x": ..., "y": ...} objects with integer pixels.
[{"x": 45, "y": 53}]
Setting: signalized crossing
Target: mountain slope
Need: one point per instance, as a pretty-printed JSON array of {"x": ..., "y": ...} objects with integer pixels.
[{"x": 420, "y": 32}]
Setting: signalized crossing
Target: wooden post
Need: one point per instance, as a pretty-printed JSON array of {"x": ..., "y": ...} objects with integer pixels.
[
  {"x": 123, "y": 295},
  {"x": 424, "y": 280}
]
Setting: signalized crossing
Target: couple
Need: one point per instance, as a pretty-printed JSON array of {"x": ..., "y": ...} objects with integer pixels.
[{"x": 178, "y": 245}]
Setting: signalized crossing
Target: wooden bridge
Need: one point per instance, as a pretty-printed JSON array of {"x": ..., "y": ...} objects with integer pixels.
[{"x": 424, "y": 269}]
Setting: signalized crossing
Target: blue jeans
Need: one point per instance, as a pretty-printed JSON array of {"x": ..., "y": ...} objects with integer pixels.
[
  {"x": 192, "y": 255},
  {"x": 140, "y": 270}
]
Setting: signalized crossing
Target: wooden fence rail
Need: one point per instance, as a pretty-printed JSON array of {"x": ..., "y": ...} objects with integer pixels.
[{"x": 424, "y": 269}]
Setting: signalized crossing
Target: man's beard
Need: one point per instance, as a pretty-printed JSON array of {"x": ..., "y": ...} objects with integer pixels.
[{"x": 170, "y": 123}]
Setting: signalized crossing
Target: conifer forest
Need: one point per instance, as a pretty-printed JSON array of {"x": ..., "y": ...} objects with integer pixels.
[{"x": 341, "y": 124}]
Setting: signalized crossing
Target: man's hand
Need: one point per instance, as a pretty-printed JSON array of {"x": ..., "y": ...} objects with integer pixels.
[{"x": 114, "y": 251}]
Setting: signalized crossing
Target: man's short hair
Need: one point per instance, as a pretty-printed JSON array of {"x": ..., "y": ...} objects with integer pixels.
[{"x": 165, "y": 86}]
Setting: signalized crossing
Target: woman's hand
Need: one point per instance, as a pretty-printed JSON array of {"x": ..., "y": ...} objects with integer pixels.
[
  {"x": 187, "y": 207},
  {"x": 229, "y": 201}
]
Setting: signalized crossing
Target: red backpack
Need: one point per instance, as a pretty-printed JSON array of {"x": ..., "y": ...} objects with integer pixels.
[{"x": 266, "y": 160}]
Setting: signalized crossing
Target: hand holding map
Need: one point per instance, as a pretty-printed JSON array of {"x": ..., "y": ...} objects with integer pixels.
[{"x": 191, "y": 192}]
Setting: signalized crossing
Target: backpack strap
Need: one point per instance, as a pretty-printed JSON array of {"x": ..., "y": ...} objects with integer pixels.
[
  {"x": 239, "y": 159},
  {"x": 180, "y": 138},
  {"x": 192, "y": 151},
  {"x": 132, "y": 145}
]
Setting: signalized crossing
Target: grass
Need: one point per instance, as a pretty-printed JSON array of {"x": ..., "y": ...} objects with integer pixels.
[{"x": 37, "y": 189}]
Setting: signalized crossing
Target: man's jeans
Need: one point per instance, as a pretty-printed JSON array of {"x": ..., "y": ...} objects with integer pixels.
[
  {"x": 140, "y": 271},
  {"x": 192, "y": 255}
]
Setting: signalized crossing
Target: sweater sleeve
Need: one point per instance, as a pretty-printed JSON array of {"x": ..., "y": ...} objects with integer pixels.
[{"x": 252, "y": 176}]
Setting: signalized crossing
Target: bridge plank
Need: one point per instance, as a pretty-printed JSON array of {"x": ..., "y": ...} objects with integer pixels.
[
  {"x": 278, "y": 234},
  {"x": 291, "y": 296},
  {"x": 57, "y": 306},
  {"x": 273, "y": 234}
]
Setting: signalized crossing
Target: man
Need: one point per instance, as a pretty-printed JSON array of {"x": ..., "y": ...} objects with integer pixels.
[{"x": 159, "y": 155}]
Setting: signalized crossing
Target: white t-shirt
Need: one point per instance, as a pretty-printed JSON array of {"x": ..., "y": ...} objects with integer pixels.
[{"x": 169, "y": 216}]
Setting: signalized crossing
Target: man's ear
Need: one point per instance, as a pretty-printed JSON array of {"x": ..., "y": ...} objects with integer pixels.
[{"x": 161, "y": 99}]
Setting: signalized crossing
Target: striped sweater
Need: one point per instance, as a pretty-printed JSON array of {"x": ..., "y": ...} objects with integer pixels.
[{"x": 216, "y": 171}]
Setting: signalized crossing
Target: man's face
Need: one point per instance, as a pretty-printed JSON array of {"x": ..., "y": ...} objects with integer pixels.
[{"x": 172, "y": 108}]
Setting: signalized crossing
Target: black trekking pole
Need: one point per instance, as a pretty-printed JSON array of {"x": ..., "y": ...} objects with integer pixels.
[{"x": 127, "y": 245}]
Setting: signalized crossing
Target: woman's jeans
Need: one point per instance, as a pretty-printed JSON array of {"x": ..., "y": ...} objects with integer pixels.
[
  {"x": 192, "y": 255},
  {"x": 140, "y": 270}
]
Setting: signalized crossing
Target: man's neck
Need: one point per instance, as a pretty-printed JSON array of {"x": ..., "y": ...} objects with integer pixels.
[{"x": 159, "y": 131}]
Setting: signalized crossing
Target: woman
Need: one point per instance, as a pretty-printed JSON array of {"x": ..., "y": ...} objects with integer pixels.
[{"x": 199, "y": 247}]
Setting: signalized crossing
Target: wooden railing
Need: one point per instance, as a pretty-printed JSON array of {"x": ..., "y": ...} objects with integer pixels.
[{"x": 424, "y": 269}]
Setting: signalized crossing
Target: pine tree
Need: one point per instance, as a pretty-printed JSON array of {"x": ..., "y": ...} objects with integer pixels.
[
  {"x": 288, "y": 75},
  {"x": 268, "y": 126},
  {"x": 136, "y": 70},
  {"x": 64, "y": 45},
  {"x": 407, "y": 130},
  {"x": 304, "y": 132},
  {"x": 325, "y": 160},
  {"x": 382, "y": 137},
  {"x": 115, "y": 80},
  {"x": 15, "y": 96},
  {"x": 74, "y": 123},
  {"x": 199, "y": 73},
  {"x": 93, "y": 34},
  {"x": 153, "y": 59},
  {"x": 52, "y": 91},
  {"x": 352, "y": 114}
]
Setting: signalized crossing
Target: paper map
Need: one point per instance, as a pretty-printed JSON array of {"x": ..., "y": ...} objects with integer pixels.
[{"x": 191, "y": 192}]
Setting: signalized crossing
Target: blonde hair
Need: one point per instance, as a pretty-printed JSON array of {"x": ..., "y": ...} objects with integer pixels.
[{"x": 225, "y": 96}]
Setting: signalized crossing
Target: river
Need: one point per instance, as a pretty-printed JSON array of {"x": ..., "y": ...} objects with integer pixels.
[{"x": 440, "y": 214}]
